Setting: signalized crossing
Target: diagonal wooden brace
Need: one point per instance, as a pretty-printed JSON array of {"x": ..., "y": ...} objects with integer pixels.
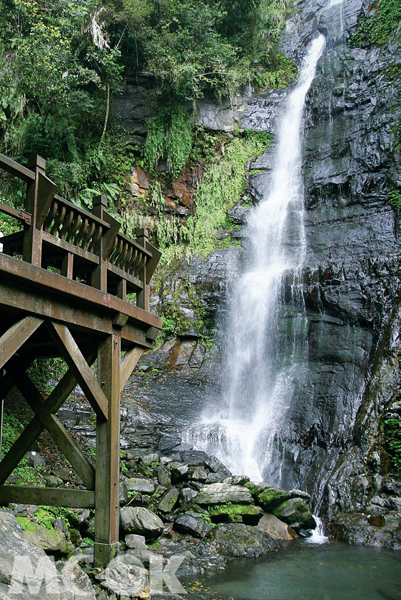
[
  {"x": 16, "y": 336},
  {"x": 76, "y": 361},
  {"x": 56, "y": 429},
  {"x": 128, "y": 364},
  {"x": 35, "y": 427}
]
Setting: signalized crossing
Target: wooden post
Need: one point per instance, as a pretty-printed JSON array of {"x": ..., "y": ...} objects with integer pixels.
[
  {"x": 142, "y": 299},
  {"x": 33, "y": 237},
  {"x": 99, "y": 275},
  {"x": 108, "y": 454}
]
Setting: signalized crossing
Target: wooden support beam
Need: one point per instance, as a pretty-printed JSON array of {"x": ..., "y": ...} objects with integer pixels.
[
  {"x": 74, "y": 292},
  {"x": 108, "y": 455},
  {"x": 35, "y": 427},
  {"x": 76, "y": 361},
  {"x": 128, "y": 364},
  {"x": 16, "y": 336},
  {"x": 56, "y": 429},
  {"x": 47, "y": 496}
]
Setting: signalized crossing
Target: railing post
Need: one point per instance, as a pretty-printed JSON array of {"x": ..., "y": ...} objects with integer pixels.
[
  {"x": 32, "y": 251},
  {"x": 99, "y": 275},
  {"x": 143, "y": 296}
]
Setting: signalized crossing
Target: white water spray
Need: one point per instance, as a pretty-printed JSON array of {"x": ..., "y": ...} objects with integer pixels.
[
  {"x": 317, "y": 536},
  {"x": 259, "y": 381}
]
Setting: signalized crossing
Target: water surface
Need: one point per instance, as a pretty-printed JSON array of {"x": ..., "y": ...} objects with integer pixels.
[{"x": 332, "y": 571}]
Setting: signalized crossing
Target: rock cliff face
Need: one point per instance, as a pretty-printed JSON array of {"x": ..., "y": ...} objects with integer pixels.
[
  {"x": 352, "y": 272},
  {"x": 332, "y": 442}
]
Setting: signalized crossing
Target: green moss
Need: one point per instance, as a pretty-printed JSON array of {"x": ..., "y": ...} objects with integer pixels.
[
  {"x": 234, "y": 513},
  {"x": 271, "y": 498},
  {"x": 256, "y": 171},
  {"x": 394, "y": 198},
  {"x": 391, "y": 431},
  {"x": 26, "y": 524}
]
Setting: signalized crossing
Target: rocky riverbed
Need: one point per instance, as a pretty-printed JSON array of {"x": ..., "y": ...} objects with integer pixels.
[{"x": 180, "y": 510}]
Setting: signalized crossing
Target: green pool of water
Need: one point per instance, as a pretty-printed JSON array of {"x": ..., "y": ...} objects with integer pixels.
[{"x": 331, "y": 571}]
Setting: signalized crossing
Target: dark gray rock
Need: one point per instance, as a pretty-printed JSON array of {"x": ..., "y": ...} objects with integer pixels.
[
  {"x": 236, "y": 540},
  {"x": 35, "y": 459},
  {"x": 188, "y": 495},
  {"x": 193, "y": 524},
  {"x": 168, "y": 502},
  {"x": 194, "y": 457},
  {"x": 360, "y": 529},
  {"x": 163, "y": 477},
  {"x": 179, "y": 472},
  {"x": 217, "y": 466},
  {"x": 141, "y": 521}
]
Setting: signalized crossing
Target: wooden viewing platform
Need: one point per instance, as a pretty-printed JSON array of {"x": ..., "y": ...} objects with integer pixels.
[{"x": 64, "y": 280}]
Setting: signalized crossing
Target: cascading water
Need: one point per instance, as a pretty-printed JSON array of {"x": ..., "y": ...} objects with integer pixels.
[{"x": 259, "y": 374}]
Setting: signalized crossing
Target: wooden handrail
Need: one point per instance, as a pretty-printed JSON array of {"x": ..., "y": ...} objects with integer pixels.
[{"x": 83, "y": 245}]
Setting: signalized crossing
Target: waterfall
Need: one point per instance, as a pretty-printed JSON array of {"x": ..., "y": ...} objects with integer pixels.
[{"x": 260, "y": 371}]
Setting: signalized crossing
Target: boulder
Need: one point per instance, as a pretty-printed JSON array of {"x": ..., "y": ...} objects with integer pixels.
[
  {"x": 141, "y": 521},
  {"x": 150, "y": 459},
  {"x": 21, "y": 560},
  {"x": 169, "y": 501},
  {"x": 194, "y": 457},
  {"x": 215, "y": 465},
  {"x": 125, "y": 576},
  {"x": 295, "y": 512},
  {"x": 47, "y": 539},
  {"x": 199, "y": 474},
  {"x": 221, "y": 493},
  {"x": 237, "y": 480},
  {"x": 192, "y": 523},
  {"x": 133, "y": 540},
  {"x": 237, "y": 539},
  {"x": 277, "y": 529},
  {"x": 163, "y": 477},
  {"x": 272, "y": 497},
  {"x": 360, "y": 529},
  {"x": 188, "y": 495},
  {"x": 179, "y": 471},
  {"x": 74, "y": 581},
  {"x": 137, "y": 484}
]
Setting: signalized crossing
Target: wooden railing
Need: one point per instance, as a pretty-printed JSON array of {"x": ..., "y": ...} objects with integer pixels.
[{"x": 86, "y": 246}]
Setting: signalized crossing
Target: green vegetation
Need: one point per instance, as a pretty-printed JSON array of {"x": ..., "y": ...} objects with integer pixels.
[
  {"x": 395, "y": 198},
  {"x": 221, "y": 187},
  {"x": 392, "y": 440},
  {"x": 12, "y": 428},
  {"x": 169, "y": 132},
  {"x": 62, "y": 61},
  {"x": 380, "y": 27}
]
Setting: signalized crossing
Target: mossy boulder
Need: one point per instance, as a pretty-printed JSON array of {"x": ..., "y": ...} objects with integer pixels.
[
  {"x": 236, "y": 513},
  {"x": 295, "y": 512},
  {"x": 270, "y": 498},
  {"x": 49, "y": 540}
]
